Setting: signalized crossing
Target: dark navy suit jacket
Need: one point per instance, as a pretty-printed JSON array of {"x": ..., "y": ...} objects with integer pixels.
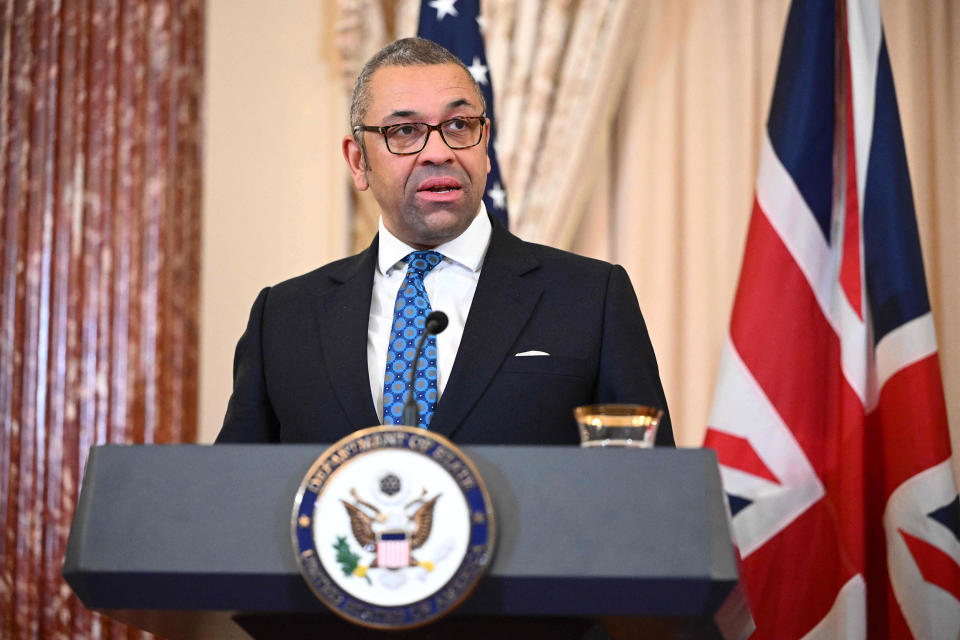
[{"x": 300, "y": 370}]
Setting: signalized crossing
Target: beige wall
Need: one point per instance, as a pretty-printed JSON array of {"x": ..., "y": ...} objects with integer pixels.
[{"x": 272, "y": 206}]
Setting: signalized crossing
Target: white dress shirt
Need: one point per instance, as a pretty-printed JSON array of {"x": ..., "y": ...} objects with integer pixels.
[{"x": 450, "y": 286}]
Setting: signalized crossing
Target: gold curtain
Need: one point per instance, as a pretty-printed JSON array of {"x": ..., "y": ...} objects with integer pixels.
[{"x": 100, "y": 190}]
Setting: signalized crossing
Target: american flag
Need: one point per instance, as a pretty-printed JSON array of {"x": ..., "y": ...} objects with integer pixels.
[
  {"x": 393, "y": 550},
  {"x": 829, "y": 418},
  {"x": 458, "y": 25}
]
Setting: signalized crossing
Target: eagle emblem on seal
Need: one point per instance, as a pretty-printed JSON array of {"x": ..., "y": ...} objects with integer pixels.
[{"x": 392, "y": 534}]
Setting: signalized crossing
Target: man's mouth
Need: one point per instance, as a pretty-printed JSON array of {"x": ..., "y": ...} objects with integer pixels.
[{"x": 439, "y": 185}]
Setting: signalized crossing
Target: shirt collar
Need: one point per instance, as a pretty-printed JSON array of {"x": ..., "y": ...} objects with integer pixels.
[{"x": 467, "y": 249}]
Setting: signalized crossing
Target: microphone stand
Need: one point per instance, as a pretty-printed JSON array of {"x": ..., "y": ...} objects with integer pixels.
[{"x": 436, "y": 322}]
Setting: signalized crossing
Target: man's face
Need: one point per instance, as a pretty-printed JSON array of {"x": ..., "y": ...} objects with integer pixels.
[{"x": 430, "y": 197}]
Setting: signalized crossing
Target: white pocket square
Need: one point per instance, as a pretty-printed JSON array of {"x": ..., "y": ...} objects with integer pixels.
[{"x": 531, "y": 353}]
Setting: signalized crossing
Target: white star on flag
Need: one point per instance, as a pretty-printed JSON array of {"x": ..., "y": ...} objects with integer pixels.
[
  {"x": 482, "y": 24},
  {"x": 498, "y": 195},
  {"x": 444, "y": 8},
  {"x": 478, "y": 71}
]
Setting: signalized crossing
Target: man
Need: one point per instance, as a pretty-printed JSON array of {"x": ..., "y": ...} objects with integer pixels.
[{"x": 533, "y": 332}]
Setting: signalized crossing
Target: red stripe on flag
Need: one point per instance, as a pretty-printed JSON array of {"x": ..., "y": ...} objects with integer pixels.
[
  {"x": 911, "y": 421},
  {"x": 935, "y": 566},
  {"x": 894, "y": 626},
  {"x": 736, "y": 452},
  {"x": 793, "y": 580},
  {"x": 850, "y": 262}
]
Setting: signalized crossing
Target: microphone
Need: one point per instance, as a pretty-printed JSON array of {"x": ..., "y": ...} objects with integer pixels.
[{"x": 436, "y": 322}]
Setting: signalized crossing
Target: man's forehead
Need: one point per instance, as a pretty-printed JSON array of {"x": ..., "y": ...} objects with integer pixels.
[{"x": 396, "y": 90}]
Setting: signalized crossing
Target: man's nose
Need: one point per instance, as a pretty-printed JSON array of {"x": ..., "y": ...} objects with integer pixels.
[{"x": 436, "y": 150}]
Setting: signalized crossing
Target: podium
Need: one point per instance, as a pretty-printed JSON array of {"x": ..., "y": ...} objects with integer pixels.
[{"x": 192, "y": 541}]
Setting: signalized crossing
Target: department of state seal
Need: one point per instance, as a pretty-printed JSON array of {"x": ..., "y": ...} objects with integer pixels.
[{"x": 393, "y": 527}]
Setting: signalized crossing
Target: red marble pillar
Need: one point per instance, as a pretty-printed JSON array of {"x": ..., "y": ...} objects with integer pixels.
[{"x": 100, "y": 143}]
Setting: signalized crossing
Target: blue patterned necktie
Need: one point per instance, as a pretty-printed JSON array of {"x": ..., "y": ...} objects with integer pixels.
[{"x": 409, "y": 319}]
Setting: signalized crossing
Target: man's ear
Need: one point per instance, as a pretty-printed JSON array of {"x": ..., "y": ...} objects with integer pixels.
[{"x": 356, "y": 162}]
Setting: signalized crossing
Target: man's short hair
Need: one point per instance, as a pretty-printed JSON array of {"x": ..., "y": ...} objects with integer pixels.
[{"x": 407, "y": 52}]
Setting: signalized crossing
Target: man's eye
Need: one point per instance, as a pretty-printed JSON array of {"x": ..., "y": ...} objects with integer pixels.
[
  {"x": 402, "y": 131},
  {"x": 457, "y": 125}
]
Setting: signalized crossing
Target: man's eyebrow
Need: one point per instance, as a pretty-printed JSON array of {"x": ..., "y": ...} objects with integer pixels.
[
  {"x": 402, "y": 113},
  {"x": 410, "y": 113},
  {"x": 462, "y": 102}
]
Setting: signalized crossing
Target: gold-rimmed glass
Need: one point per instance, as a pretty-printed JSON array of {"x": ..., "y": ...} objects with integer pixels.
[{"x": 617, "y": 425}]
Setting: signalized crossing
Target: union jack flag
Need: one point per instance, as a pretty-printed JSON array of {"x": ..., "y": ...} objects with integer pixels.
[
  {"x": 458, "y": 25},
  {"x": 829, "y": 418}
]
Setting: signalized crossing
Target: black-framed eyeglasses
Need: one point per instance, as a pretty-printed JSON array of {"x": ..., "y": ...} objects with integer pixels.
[{"x": 407, "y": 138}]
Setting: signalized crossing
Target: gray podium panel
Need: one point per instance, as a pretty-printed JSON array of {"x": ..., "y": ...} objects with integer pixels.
[{"x": 581, "y": 532}]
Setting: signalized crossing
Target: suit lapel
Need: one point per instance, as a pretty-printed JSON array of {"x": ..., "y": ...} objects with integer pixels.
[
  {"x": 501, "y": 307},
  {"x": 344, "y": 317}
]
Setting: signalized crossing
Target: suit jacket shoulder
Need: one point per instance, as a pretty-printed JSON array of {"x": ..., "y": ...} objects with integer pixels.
[
  {"x": 300, "y": 371},
  {"x": 312, "y": 283}
]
